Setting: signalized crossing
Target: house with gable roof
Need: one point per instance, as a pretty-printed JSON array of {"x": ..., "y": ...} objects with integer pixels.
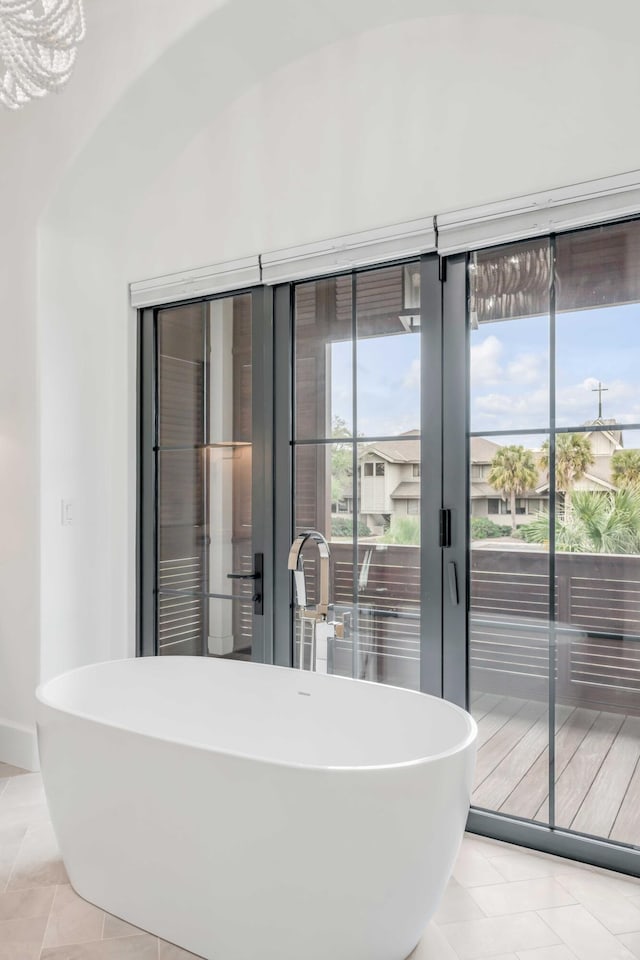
[{"x": 389, "y": 479}]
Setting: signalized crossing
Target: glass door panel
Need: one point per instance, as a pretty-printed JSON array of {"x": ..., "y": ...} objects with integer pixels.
[
  {"x": 389, "y": 578},
  {"x": 357, "y": 462},
  {"x": 323, "y": 393},
  {"x": 509, "y": 633},
  {"x": 597, "y": 528},
  {"x": 204, "y": 479},
  {"x": 323, "y": 481},
  {"x": 554, "y": 506},
  {"x": 510, "y": 612}
]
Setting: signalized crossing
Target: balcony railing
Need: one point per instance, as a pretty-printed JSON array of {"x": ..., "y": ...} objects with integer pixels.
[{"x": 594, "y": 640}]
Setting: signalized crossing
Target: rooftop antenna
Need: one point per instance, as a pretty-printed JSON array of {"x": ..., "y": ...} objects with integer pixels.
[{"x": 600, "y": 390}]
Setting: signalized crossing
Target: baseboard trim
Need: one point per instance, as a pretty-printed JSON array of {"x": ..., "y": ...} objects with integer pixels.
[{"x": 18, "y": 745}]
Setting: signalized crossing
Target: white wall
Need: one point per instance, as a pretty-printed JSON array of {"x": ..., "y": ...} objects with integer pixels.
[
  {"x": 269, "y": 123},
  {"x": 36, "y": 145}
]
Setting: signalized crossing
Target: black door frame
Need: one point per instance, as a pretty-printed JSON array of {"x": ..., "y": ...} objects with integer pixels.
[{"x": 262, "y": 469}]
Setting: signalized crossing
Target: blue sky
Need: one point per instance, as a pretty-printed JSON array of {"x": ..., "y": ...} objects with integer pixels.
[
  {"x": 509, "y": 374},
  {"x": 388, "y": 384},
  {"x": 510, "y": 369}
]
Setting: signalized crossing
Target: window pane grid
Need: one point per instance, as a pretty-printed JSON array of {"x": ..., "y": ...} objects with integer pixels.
[
  {"x": 356, "y": 450},
  {"x": 203, "y": 462},
  {"x": 555, "y": 569}
]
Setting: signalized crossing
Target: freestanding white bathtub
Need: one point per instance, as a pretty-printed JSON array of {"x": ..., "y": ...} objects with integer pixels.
[{"x": 249, "y": 812}]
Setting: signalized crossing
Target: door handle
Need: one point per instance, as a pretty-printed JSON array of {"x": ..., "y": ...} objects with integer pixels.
[
  {"x": 258, "y": 568},
  {"x": 453, "y": 583}
]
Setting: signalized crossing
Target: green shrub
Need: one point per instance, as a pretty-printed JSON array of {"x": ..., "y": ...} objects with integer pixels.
[
  {"x": 343, "y": 527},
  {"x": 483, "y": 528},
  {"x": 592, "y": 521},
  {"x": 404, "y": 530},
  {"x": 537, "y": 531}
]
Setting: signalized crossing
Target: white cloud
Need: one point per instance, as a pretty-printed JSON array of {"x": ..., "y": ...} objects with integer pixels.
[
  {"x": 528, "y": 368},
  {"x": 489, "y": 365},
  {"x": 520, "y": 397},
  {"x": 527, "y": 407},
  {"x": 577, "y": 402},
  {"x": 534, "y": 401},
  {"x": 485, "y": 361},
  {"x": 501, "y": 411}
]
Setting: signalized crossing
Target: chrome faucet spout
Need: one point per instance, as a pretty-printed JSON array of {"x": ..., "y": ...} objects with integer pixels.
[
  {"x": 324, "y": 630},
  {"x": 295, "y": 564}
]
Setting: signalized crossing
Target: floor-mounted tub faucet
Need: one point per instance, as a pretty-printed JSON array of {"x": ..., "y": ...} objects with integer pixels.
[{"x": 324, "y": 627}]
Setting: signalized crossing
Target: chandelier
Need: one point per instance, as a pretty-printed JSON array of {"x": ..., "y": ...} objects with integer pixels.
[{"x": 38, "y": 45}]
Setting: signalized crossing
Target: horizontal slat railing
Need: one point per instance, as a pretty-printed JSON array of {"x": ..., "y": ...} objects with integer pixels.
[
  {"x": 180, "y": 618},
  {"x": 385, "y": 624},
  {"x": 596, "y": 634}
]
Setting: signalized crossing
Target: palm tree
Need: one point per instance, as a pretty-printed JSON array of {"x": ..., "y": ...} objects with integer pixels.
[
  {"x": 625, "y": 468},
  {"x": 512, "y": 472},
  {"x": 573, "y": 456},
  {"x": 611, "y": 520},
  {"x": 570, "y": 534},
  {"x": 598, "y": 522}
]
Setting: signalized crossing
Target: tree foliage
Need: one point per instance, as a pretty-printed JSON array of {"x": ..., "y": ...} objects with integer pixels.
[
  {"x": 573, "y": 456},
  {"x": 597, "y": 522},
  {"x": 483, "y": 529},
  {"x": 625, "y": 468},
  {"x": 403, "y": 530},
  {"x": 343, "y": 527},
  {"x": 513, "y": 471},
  {"x": 341, "y": 461}
]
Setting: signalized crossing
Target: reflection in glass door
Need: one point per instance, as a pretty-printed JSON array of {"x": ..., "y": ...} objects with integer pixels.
[
  {"x": 208, "y": 574},
  {"x": 357, "y": 461},
  {"x": 554, "y": 503}
]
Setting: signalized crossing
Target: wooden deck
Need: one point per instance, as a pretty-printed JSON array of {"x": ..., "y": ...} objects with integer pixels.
[{"x": 597, "y": 765}]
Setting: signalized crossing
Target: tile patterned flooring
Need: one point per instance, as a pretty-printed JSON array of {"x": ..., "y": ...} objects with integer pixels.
[{"x": 502, "y": 903}]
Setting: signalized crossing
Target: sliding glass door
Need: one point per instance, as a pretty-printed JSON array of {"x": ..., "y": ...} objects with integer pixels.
[
  {"x": 511, "y": 598},
  {"x": 465, "y": 432},
  {"x": 357, "y": 461},
  {"x": 505, "y": 415},
  {"x": 554, "y": 506},
  {"x": 359, "y": 469}
]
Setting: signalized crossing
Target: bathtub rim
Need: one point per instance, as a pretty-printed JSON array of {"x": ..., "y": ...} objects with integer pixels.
[{"x": 459, "y": 748}]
